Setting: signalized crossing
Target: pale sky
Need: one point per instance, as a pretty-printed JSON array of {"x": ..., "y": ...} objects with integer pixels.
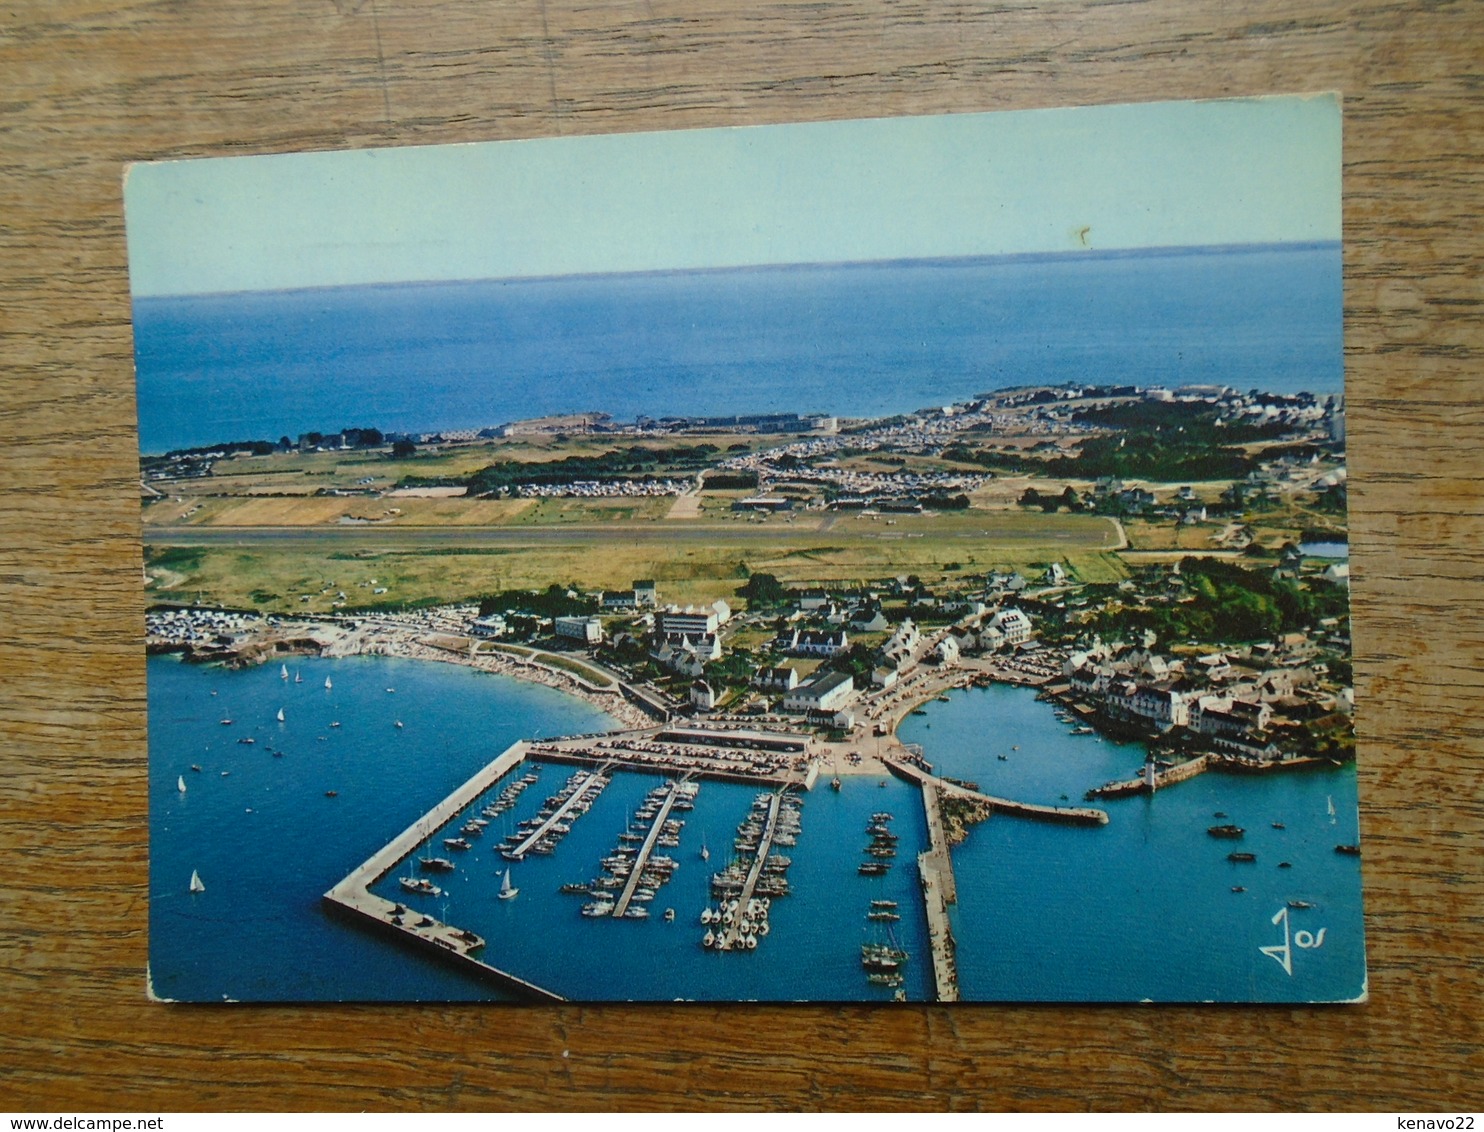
[{"x": 1155, "y": 175}]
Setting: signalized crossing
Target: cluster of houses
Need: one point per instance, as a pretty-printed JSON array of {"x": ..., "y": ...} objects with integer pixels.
[{"x": 1237, "y": 702}]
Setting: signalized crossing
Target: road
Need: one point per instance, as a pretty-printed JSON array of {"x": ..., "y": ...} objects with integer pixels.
[{"x": 574, "y": 534}]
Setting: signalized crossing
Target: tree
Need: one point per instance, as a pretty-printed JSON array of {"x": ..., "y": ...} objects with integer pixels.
[
  {"x": 403, "y": 448},
  {"x": 763, "y": 589}
]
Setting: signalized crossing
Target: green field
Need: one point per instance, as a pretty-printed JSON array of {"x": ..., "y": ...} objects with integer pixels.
[{"x": 690, "y": 561}]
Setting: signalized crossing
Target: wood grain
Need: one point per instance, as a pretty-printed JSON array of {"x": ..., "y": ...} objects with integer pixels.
[{"x": 87, "y": 86}]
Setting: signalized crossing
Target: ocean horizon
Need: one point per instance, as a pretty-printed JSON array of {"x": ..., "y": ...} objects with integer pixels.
[{"x": 857, "y": 340}]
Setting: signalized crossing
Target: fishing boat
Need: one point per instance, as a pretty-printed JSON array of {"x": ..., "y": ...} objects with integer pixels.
[
  {"x": 1300, "y": 904},
  {"x": 1238, "y": 888},
  {"x": 884, "y": 917},
  {"x": 436, "y": 864},
  {"x": 180, "y": 784},
  {"x": 1279, "y": 825},
  {"x": 247, "y": 741},
  {"x": 422, "y": 886},
  {"x": 1227, "y": 831},
  {"x": 507, "y": 890},
  {"x": 886, "y": 904},
  {"x": 1348, "y": 850},
  {"x": 196, "y": 885},
  {"x": 1242, "y": 858},
  {"x": 456, "y": 843},
  {"x": 332, "y": 793}
]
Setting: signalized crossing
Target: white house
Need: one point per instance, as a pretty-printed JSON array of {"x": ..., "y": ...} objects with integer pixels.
[
  {"x": 1014, "y": 624},
  {"x": 829, "y": 692},
  {"x": 702, "y": 696}
]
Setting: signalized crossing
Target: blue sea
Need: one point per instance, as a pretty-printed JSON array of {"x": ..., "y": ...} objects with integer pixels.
[
  {"x": 1139, "y": 909},
  {"x": 855, "y": 340}
]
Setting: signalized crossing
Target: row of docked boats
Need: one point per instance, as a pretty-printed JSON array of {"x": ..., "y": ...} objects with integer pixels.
[
  {"x": 881, "y": 848},
  {"x": 745, "y": 889},
  {"x": 542, "y": 833},
  {"x": 510, "y": 794},
  {"x": 735, "y": 926},
  {"x": 630, "y": 855}
]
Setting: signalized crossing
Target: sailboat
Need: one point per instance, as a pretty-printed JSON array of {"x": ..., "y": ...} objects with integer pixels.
[
  {"x": 1330, "y": 800},
  {"x": 283, "y": 671},
  {"x": 705, "y": 853},
  {"x": 196, "y": 885},
  {"x": 280, "y": 715},
  {"x": 298, "y": 679},
  {"x": 507, "y": 890},
  {"x": 328, "y": 685},
  {"x": 180, "y": 784}
]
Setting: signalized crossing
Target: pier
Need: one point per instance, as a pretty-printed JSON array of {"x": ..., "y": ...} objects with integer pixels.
[
  {"x": 353, "y": 900},
  {"x": 519, "y": 852},
  {"x": 645, "y": 851},
  {"x": 764, "y": 846},
  {"x": 1177, "y": 773},
  {"x": 939, "y": 889},
  {"x": 1067, "y": 815}
]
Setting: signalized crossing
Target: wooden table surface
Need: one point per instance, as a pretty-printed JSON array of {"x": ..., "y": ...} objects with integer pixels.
[{"x": 86, "y": 86}]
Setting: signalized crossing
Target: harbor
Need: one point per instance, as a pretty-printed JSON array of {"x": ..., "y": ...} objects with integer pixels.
[{"x": 353, "y": 899}]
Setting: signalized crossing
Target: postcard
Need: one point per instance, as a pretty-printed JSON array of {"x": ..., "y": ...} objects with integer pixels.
[{"x": 899, "y": 560}]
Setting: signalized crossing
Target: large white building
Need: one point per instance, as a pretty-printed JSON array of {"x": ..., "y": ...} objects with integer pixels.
[
  {"x": 688, "y": 622},
  {"x": 589, "y": 630},
  {"x": 828, "y": 692}
]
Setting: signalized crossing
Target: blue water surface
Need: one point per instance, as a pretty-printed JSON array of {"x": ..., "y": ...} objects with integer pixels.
[{"x": 860, "y": 340}]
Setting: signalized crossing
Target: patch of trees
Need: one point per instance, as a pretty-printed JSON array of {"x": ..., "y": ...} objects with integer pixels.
[
  {"x": 857, "y": 662},
  {"x": 554, "y": 601},
  {"x": 1232, "y": 603},
  {"x": 941, "y": 501},
  {"x": 1048, "y": 502},
  {"x": 725, "y": 481},
  {"x": 1162, "y": 455},
  {"x": 763, "y": 590},
  {"x": 632, "y": 463}
]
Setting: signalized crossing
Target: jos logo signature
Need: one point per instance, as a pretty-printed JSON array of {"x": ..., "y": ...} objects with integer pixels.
[{"x": 1282, "y": 953}]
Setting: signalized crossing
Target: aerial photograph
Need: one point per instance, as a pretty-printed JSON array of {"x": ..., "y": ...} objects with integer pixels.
[{"x": 897, "y": 560}]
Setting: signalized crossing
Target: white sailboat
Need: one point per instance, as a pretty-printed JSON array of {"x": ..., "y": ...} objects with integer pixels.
[
  {"x": 298, "y": 678},
  {"x": 1330, "y": 800},
  {"x": 280, "y": 715},
  {"x": 180, "y": 784},
  {"x": 705, "y": 853},
  {"x": 283, "y": 671},
  {"x": 507, "y": 890},
  {"x": 196, "y": 885},
  {"x": 328, "y": 685}
]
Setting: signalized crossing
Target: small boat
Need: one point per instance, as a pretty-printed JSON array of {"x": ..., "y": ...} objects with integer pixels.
[
  {"x": 390, "y": 690},
  {"x": 1228, "y": 831},
  {"x": 436, "y": 864},
  {"x": 280, "y": 715},
  {"x": 507, "y": 890},
  {"x": 420, "y": 885},
  {"x": 918, "y": 711},
  {"x": 1285, "y": 865},
  {"x": 456, "y": 843},
  {"x": 887, "y": 904},
  {"x": 328, "y": 684},
  {"x": 1003, "y": 758},
  {"x": 283, "y": 671},
  {"x": 1242, "y": 858},
  {"x": 1279, "y": 825},
  {"x": 884, "y": 917},
  {"x": 298, "y": 679},
  {"x": 196, "y": 885},
  {"x": 1330, "y": 803},
  {"x": 335, "y": 724},
  {"x": 1238, "y": 888},
  {"x": 882, "y": 784},
  {"x": 669, "y": 915},
  {"x": 1219, "y": 814},
  {"x": 332, "y": 793},
  {"x": 1348, "y": 850},
  {"x": 196, "y": 767},
  {"x": 247, "y": 740},
  {"x": 835, "y": 783},
  {"x": 226, "y": 723},
  {"x": 1300, "y": 904},
  {"x": 708, "y": 939},
  {"x": 399, "y": 723},
  {"x": 180, "y": 784}
]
